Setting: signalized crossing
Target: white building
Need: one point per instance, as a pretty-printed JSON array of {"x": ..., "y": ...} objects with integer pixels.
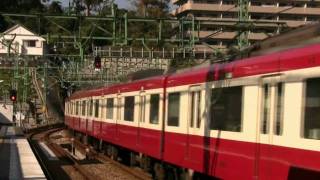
[{"x": 24, "y": 41}]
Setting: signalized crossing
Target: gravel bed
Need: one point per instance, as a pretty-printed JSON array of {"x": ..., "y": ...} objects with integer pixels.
[
  {"x": 108, "y": 172},
  {"x": 101, "y": 170},
  {"x": 73, "y": 174}
]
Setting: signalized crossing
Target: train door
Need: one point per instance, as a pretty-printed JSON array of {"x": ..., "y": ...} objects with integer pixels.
[
  {"x": 194, "y": 122},
  {"x": 271, "y": 97},
  {"x": 141, "y": 119},
  {"x": 89, "y": 118},
  {"x": 78, "y": 115},
  {"x": 118, "y": 116}
]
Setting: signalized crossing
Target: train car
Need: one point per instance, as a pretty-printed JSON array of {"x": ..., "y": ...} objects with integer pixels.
[{"x": 255, "y": 118}]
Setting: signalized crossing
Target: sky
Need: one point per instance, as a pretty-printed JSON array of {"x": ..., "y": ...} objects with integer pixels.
[{"x": 121, "y": 3}]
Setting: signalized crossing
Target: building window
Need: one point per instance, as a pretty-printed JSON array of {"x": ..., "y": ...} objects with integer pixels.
[
  {"x": 110, "y": 108},
  {"x": 312, "y": 109},
  {"x": 154, "y": 108},
  {"x": 313, "y": 18},
  {"x": 5, "y": 43},
  {"x": 256, "y": 3},
  {"x": 29, "y": 43},
  {"x": 96, "y": 108},
  {"x": 129, "y": 108},
  {"x": 226, "y": 109},
  {"x": 230, "y": 2},
  {"x": 207, "y": 1},
  {"x": 173, "y": 109},
  {"x": 83, "y": 108}
]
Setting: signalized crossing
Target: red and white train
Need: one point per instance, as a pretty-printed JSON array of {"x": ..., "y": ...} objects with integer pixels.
[{"x": 256, "y": 118}]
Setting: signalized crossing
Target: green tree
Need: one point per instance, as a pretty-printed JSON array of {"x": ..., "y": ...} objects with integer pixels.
[
  {"x": 55, "y": 8},
  {"x": 149, "y": 8},
  {"x": 78, "y": 6},
  {"x": 152, "y": 8},
  {"x": 90, "y": 5},
  {"x": 20, "y": 6}
]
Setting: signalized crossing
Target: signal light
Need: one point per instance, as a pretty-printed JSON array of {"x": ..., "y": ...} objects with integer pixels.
[
  {"x": 13, "y": 95},
  {"x": 97, "y": 62}
]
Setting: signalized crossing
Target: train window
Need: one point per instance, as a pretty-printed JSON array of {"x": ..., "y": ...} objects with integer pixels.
[
  {"x": 173, "y": 109},
  {"x": 195, "y": 109},
  {"x": 102, "y": 108},
  {"x": 73, "y": 108},
  {"x": 77, "y": 108},
  {"x": 154, "y": 108},
  {"x": 119, "y": 108},
  {"x": 279, "y": 110},
  {"x": 91, "y": 107},
  {"x": 110, "y": 108},
  {"x": 83, "y": 108},
  {"x": 266, "y": 109},
  {"x": 226, "y": 109},
  {"x": 129, "y": 108},
  {"x": 142, "y": 108},
  {"x": 312, "y": 109},
  {"x": 96, "y": 108}
]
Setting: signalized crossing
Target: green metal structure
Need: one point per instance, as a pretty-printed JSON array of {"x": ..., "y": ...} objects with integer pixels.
[
  {"x": 75, "y": 69},
  {"x": 243, "y": 16}
]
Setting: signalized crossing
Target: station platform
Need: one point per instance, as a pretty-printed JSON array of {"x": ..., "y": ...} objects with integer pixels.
[{"x": 17, "y": 160}]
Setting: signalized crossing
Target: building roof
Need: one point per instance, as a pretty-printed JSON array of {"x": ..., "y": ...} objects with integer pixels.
[{"x": 28, "y": 32}]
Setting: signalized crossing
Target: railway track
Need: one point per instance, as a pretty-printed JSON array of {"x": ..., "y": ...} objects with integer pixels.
[
  {"x": 60, "y": 152},
  {"x": 69, "y": 166},
  {"x": 33, "y": 137},
  {"x": 138, "y": 174}
]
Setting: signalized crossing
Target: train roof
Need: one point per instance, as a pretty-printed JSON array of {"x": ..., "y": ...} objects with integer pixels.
[
  {"x": 292, "y": 59},
  {"x": 143, "y": 84}
]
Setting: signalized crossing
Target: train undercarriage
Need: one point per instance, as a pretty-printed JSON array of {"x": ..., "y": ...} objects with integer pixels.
[{"x": 159, "y": 170}]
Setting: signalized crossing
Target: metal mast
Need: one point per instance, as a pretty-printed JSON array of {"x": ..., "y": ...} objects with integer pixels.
[{"x": 243, "y": 16}]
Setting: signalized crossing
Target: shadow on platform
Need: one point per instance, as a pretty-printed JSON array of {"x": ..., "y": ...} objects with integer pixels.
[
  {"x": 4, "y": 120},
  {"x": 10, "y": 161}
]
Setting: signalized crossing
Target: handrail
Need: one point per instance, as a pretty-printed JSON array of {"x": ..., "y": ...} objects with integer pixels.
[{"x": 38, "y": 90}]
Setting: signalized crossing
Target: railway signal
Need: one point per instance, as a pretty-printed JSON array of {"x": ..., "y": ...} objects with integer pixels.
[
  {"x": 13, "y": 95},
  {"x": 97, "y": 62}
]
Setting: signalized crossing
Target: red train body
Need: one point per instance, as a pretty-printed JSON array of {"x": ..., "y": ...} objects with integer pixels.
[{"x": 273, "y": 138}]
